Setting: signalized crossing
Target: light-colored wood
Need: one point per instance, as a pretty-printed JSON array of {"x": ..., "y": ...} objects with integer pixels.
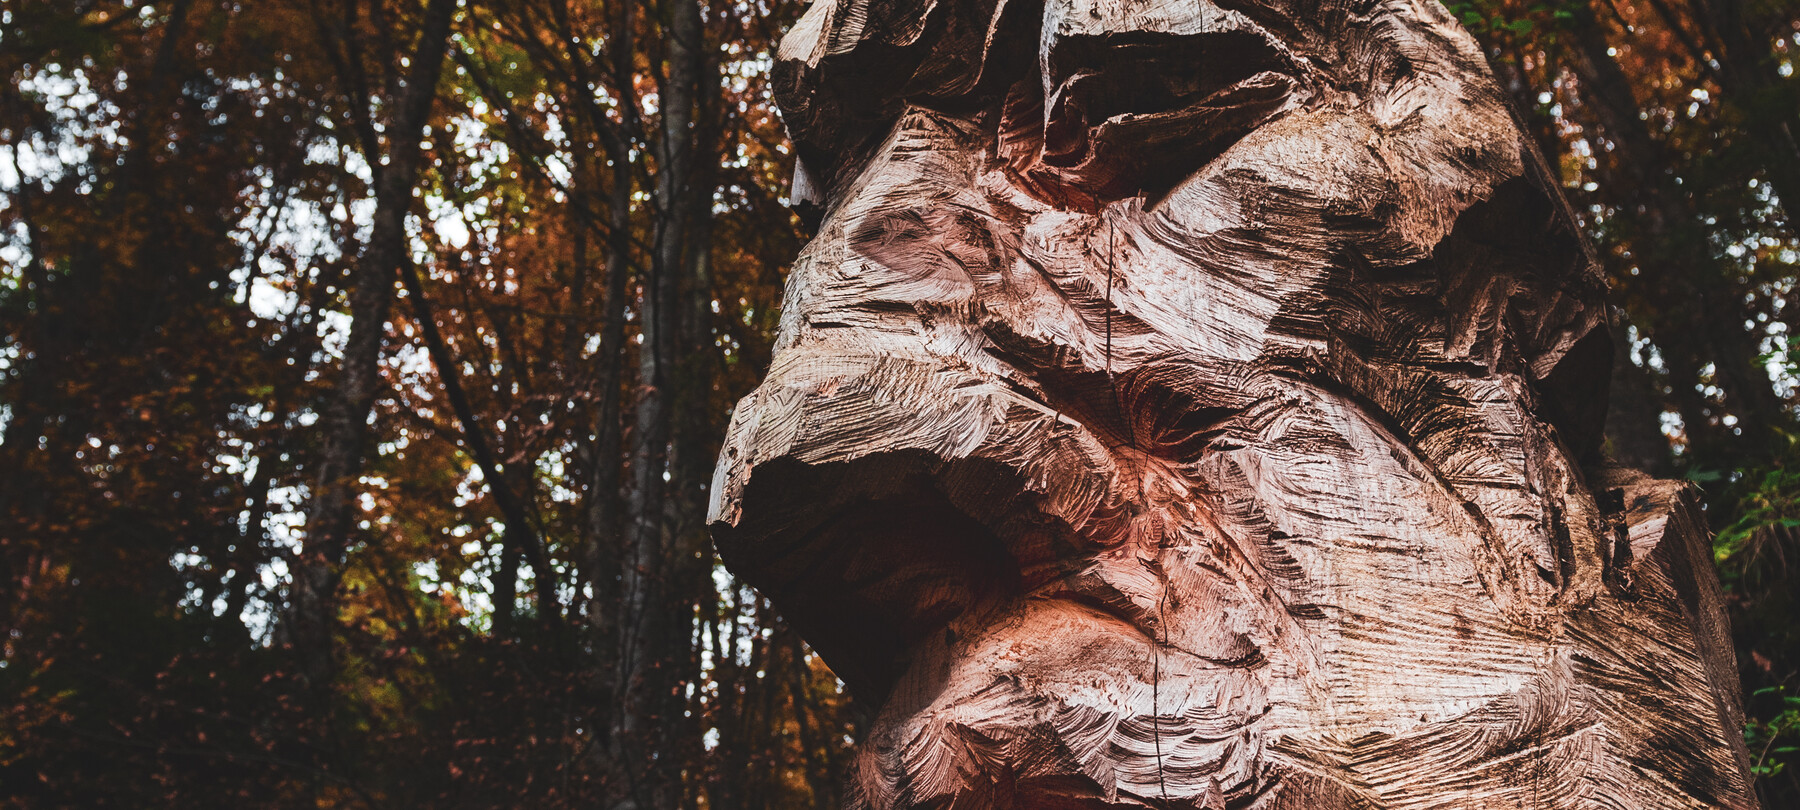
[{"x": 1197, "y": 406}]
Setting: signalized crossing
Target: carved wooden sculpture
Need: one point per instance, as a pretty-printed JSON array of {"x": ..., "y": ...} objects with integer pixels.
[{"x": 1185, "y": 405}]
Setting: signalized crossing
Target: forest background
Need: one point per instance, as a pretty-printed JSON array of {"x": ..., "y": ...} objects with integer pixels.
[{"x": 363, "y": 362}]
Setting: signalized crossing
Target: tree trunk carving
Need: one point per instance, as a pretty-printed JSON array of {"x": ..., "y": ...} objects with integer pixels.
[{"x": 1198, "y": 406}]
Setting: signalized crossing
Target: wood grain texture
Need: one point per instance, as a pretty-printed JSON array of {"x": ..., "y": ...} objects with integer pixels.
[{"x": 1197, "y": 406}]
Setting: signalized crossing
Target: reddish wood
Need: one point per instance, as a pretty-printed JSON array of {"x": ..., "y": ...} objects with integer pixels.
[{"x": 1198, "y": 406}]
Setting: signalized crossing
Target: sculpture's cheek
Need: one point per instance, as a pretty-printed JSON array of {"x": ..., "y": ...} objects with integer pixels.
[{"x": 1300, "y": 188}]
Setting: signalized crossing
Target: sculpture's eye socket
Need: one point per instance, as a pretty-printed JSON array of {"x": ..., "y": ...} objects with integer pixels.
[
  {"x": 1134, "y": 112},
  {"x": 1144, "y": 73}
]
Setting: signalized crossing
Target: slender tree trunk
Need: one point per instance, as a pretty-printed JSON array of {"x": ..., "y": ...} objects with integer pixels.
[
  {"x": 653, "y": 628},
  {"x": 1708, "y": 322},
  {"x": 1747, "y": 72},
  {"x": 344, "y": 423},
  {"x": 521, "y": 536},
  {"x": 603, "y": 491}
]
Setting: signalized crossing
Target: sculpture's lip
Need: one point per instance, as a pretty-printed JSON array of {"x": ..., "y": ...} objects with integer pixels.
[{"x": 1093, "y": 604}]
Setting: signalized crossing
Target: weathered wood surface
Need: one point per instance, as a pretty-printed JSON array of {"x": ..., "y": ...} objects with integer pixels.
[{"x": 1186, "y": 405}]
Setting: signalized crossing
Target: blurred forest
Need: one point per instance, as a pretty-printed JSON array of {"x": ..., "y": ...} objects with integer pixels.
[{"x": 363, "y": 362}]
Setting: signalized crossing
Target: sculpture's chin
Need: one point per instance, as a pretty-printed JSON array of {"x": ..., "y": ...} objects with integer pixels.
[{"x": 1051, "y": 703}]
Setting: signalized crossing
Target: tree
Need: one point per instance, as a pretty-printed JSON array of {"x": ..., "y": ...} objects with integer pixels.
[
  {"x": 344, "y": 421},
  {"x": 225, "y": 325}
]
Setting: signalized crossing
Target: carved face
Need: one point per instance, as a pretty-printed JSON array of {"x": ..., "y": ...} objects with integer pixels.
[{"x": 1181, "y": 405}]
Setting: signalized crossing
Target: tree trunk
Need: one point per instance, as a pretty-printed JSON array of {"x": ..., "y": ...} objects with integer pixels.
[
  {"x": 1197, "y": 407},
  {"x": 1748, "y": 76},
  {"x": 654, "y": 627},
  {"x": 344, "y": 424},
  {"x": 604, "y": 521},
  {"x": 521, "y": 537},
  {"x": 1703, "y": 319}
]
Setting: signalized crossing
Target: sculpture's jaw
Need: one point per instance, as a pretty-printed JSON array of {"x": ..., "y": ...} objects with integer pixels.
[
  {"x": 1050, "y": 703},
  {"x": 1005, "y": 677},
  {"x": 999, "y": 689}
]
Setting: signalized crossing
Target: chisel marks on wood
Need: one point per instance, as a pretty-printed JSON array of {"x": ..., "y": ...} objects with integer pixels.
[{"x": 1196, "y": 405}]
